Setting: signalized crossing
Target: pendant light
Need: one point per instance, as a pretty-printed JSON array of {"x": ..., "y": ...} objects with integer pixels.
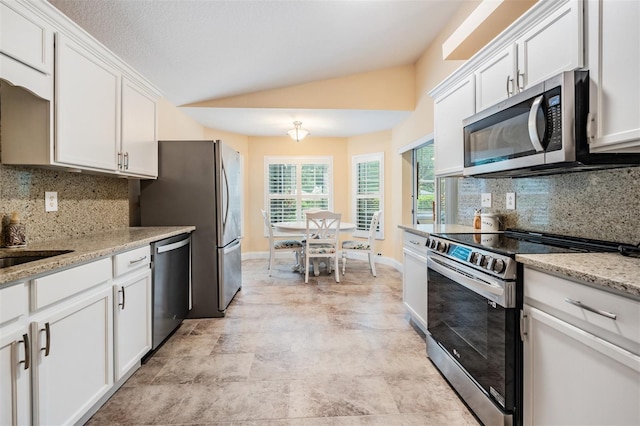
[{"x": 297, "y": 133}]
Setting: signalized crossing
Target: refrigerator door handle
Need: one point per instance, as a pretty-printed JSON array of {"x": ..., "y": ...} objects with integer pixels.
[
  {"x": 232, "y": 247},
  {"x": 226, "y": 202}
]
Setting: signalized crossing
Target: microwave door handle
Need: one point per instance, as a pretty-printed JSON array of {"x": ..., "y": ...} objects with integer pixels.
[{"x": 533, "y": 129}]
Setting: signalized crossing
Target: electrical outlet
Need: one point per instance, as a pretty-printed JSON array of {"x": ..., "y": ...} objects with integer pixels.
[
  {"x": 379, "y": 254},
  {"x": 485, "y": 199},
  {"x": 51, "y": 201},
  {"x": 511, "y": 200}
]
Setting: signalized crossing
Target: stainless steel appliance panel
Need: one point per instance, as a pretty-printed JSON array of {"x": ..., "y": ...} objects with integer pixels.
[
  {"x": 230, "y": 195},
  {"x": 171, "y": 267},
  {"x": 189, "y": 191},
  {"x": 230, "y": 259}
]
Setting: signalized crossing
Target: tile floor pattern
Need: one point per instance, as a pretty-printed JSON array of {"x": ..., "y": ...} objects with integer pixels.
[{"x": 290, "y": 353}]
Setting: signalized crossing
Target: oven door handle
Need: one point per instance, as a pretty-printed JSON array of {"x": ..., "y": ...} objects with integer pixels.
[{"x": 482, "y": 286}]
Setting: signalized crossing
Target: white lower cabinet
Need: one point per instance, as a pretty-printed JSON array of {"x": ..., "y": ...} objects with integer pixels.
[
  {"x": 132, "y": 319},
  {"x": 414, "y": 278},
  {"x": 15, "y": 380},
  {"x": 72, "y": 358},
  {"x": 573, "y": 372}
]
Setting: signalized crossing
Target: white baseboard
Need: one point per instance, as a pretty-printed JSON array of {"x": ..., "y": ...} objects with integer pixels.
[{"x": 383, "y": 260}]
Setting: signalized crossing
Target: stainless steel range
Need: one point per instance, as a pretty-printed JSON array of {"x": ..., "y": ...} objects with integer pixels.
[{"x": 474, "y": 307}]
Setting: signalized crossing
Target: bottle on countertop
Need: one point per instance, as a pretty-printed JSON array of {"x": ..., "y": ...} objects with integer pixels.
[
  {"x": 14, "y": 232},
  {"x": 476, "y": 219}
]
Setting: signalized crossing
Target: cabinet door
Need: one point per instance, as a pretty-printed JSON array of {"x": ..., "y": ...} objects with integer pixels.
[
  {"x": 15, "y": 385},
  {"x": 414, "y": 287},
  {"x": 132, "y": 319},
  {"x": 77, "y": 369},
  {"x": 495, "y": 79},
  {"x": 450, "y": 109},
  {"x": 573, "y": 377},
  {"x": 26, "y": 49},
  {"x": 139, "y": 143},
  {"x": 614, "y": 67},
  {"x": 551, "y": 47},
  {"x": 87, "y": 108}
]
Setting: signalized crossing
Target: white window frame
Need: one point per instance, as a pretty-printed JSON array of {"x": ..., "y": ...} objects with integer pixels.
[
  {"x": 298, "y": 162},
  {"x": 366, "y": 158}
]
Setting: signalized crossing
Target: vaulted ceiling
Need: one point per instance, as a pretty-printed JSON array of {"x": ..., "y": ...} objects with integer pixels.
[{"x": 214, "y": 52}]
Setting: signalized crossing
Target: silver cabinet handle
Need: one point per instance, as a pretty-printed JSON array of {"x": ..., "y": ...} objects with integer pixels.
[
  {"x": 520, "y": 86},
  {"x": 47, "y": 332},
  {"x": 523, "y": 326},
  {"x": 509, "y": 86},
  {"x": 126, "y": 161},
  {"x": 119, "y": 160},
  {"x": 123, "y": 297},
  {"x": 417, "y": 243},
  {"x": 133, "y": 262},
  {"x": 579, "y": 304},
  {"x": 27, "y": 352}
]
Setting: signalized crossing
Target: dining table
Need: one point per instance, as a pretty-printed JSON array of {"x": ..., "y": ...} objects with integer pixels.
[{"x": 300, "y": 228}]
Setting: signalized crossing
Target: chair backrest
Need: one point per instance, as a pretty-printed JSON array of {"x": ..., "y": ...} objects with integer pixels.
[
  {"x": 267, "y": 223},
  {"x": 373, "y": 227},
  {"x": 323, "y": 227}
]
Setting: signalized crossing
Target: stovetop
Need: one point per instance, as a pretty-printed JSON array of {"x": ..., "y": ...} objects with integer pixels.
[{"x": 513, "y": 242}]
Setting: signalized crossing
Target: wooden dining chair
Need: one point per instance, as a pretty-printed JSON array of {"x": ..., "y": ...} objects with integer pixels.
[
  {"x": 323, "y": 228},
  {"x": 276, "y": 245},
  {"x": 363, "y": 246}
]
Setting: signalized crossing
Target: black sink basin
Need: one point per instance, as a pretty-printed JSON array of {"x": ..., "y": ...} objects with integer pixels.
[{"x": 18, "y": 258}]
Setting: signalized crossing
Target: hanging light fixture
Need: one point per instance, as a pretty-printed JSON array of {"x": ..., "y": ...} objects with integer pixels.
[{"x": 297, "y": 133}]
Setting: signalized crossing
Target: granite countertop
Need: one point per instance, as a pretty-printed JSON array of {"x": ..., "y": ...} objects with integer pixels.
[
  {"x": 436, "y": 228},
  {"x": 85, "y": 248},
  {"x": 609, "y": 271}
]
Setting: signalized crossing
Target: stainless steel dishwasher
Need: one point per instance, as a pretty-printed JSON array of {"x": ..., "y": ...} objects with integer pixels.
[{"x": 171, "y": 272}]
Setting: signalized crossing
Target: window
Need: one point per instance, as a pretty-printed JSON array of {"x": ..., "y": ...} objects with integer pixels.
[
  {"x": 368, "y": 178},
  {"x": 424, "y": 189},
  {"x": 296, "y": 184}
]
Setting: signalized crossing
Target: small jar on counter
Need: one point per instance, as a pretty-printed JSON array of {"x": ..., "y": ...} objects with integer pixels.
[{"x": 15, "y": 232}]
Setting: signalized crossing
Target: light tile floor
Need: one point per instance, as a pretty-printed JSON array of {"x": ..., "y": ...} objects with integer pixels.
[{"x": 290, "y": 353}]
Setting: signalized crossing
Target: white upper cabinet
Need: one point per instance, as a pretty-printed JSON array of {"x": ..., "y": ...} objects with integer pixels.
[
  {"x": 26, "y": 49},
  {"x": 102, "y": 116},
  {"x": 87, "y": 127},
  {"x": 547, "y": 48},
  {"x": 139, "y": 149},
  {"x": 552, "y": 46},
  {"x": 496, "y": 78},
  {"x": 613, "y": 38},
  {"x": 451, "y": 107}
]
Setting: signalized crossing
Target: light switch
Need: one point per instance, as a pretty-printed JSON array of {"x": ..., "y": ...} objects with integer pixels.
[
  {"x": 485, "y": 199},
  {"x": 51, "y": 201}
]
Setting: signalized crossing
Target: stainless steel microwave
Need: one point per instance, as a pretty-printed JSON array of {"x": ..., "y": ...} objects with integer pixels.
[{"x": 539, "y": 131}]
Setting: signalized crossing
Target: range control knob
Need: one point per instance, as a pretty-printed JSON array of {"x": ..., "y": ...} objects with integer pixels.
[
  {"x": 442, "y": 247},
  {"x": 474, "y": 257},
  {"x": 489, "y": 262},
  {"x": 479, "y": 260},
  {"x": 498, "y": 266}
]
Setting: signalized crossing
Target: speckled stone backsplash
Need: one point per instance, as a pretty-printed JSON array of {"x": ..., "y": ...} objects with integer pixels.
[
  {"x": 602, "y": 204},
  {"x": 86, "y": 203}
]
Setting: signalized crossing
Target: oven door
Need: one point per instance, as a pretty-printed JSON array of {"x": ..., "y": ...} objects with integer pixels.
[{"x": 477, "y": 332}]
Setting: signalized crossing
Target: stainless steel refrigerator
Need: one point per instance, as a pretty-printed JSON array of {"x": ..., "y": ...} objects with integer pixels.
[{"x": 199, "y": 184}]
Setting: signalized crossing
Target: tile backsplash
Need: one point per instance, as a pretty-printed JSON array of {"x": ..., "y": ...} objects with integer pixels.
[
  {"x": 86, "y": 203},
  {"x": 602, "y": 204}
]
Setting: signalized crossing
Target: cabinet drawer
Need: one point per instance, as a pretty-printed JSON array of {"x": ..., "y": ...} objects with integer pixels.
[
  {"x": 13, "y": 302},
  {"x": 60, "y": 285},
  {"x": 131, "y": 260},
  {"x": 544, "y": 290},
  {"x": 415, "y": 243}
]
